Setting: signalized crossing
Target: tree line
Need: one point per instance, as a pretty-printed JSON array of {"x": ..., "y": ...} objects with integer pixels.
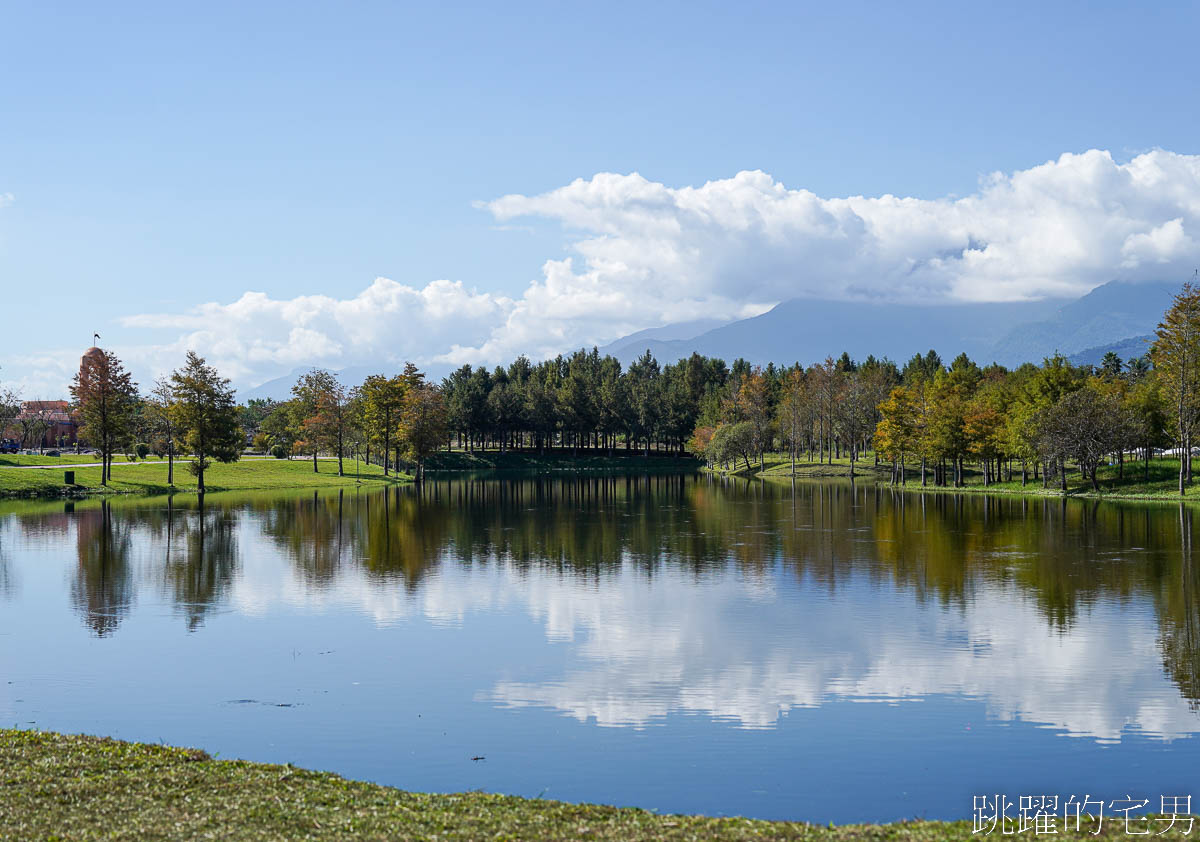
[
  {"x": 1038, "y": 420},
  {"x": 927, "y": 416}
]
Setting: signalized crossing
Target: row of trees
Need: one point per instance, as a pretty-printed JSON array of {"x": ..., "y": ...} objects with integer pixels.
[
  {"x": 942, "y": 417},
  {"x": 1031, "y": 417},
  {"x": 390, "y": 420},
  {"x": 193, "y": 410},
  {"x": 582, "y": 402}
]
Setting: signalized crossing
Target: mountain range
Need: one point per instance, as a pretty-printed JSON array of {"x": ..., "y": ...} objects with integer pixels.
[
  {"x": 1117, "y": 316},
  {"x": 1114, "y": 316}
]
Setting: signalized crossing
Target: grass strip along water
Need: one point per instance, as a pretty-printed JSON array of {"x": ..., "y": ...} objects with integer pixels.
[{"x": 60, "y": 787}]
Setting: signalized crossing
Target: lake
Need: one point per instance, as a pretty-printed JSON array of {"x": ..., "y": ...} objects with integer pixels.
[{"x": 825, "y": 652}]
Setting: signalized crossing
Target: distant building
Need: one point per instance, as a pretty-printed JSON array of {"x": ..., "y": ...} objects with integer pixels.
[
  {"x": 59, "y": 424},
  {"x": 60, "y": 429}
]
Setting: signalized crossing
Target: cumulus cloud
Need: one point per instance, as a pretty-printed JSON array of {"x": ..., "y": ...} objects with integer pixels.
[
  {"x": 644, "y": 254},
  {"x": 387, "y": 323}
]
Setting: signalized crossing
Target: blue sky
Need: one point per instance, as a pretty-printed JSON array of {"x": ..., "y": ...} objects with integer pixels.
[{"x": 155, "y": 158}]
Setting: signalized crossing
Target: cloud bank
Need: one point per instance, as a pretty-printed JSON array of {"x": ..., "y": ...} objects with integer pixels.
[{"x": 644, "y": 254}]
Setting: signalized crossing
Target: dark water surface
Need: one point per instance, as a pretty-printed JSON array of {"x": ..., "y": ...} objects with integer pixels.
[{"x": 678, "y": 643}]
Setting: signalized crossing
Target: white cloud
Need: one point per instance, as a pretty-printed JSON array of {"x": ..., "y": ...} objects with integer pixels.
[
  {"x": 1060, "y": 228},
  {"x": 387, "y": 323},
  {"x": 644, "y": 254}
]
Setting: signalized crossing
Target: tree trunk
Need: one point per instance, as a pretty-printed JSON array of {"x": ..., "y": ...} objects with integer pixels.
[{"x": 1182, "y": 471}]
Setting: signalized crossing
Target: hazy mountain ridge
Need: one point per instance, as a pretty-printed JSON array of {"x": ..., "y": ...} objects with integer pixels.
[
  {"x": 1108, "y": 315},
  {"x": 806, "y": 331},
  {"x": 1116, "y": 316}
]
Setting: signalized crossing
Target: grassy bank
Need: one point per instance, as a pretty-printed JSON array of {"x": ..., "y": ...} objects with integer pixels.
[
  {"x": 556, "y": 460},
  {"x": 150, "y": 477},
  {"x": 1158, "y": 482},
  {"x": 85, "y": 788}
]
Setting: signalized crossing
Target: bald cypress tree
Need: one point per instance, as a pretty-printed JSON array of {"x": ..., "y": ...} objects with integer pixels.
[
  {"x": 206, "y": 415},
  {"x": 107, "y": 401}
]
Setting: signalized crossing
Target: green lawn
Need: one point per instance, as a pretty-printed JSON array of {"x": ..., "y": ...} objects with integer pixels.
[
  {"x": 151, "y": 477},
  {"x": 11, "y": 459},
  {"x": 58, "y": 787}
]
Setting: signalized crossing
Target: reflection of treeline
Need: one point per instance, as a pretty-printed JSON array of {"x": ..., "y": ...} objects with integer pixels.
[{"x": 1067, "y": 556}]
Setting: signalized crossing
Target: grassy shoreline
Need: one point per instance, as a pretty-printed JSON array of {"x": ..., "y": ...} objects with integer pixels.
[
  {"x": 20, "y": 478},
  {"x": 1161, "y": 486},
  {"x": 59, "y": 786},
  {"x": 150, "y": 478}
]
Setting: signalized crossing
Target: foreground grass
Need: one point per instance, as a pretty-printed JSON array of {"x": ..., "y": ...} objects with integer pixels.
[
  {"x": 58, "y": 787},
  {"x": 151, "y": 477}
]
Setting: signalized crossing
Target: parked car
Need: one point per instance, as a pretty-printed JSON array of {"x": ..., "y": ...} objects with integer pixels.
[
  {"x": 52, "y": 453},
  {"x": 9, "y": 446}
]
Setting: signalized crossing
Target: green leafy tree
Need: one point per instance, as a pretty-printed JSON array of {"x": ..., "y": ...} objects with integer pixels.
[
  {"x": 422, "y": 419},
  {"x": 896, "y": 434},
  {"x": 1176, "y": 358},
  {"x": 382, "y": 398},
  {"x": 322, "y": 403},
  {"x": 206, "y": 415},
  {"x": 162, "y": 421}
]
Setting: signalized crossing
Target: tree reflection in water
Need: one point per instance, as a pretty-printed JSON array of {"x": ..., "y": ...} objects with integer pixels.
[
  {"x": 1066, "y": 556},
  {"x": 103, "y": 588},
  {"x": 201, "y": 558}
]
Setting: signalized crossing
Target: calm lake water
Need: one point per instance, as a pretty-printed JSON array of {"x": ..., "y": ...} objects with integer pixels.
[{"x": 681, "y": 643}]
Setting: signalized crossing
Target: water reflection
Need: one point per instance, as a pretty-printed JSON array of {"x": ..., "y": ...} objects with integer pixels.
[
  {"x": 735, "y": 601},
  {"x": 8, "y": 582},
  {"x": 201, "y": 559},
  {"x": 103, "y": 588}
]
